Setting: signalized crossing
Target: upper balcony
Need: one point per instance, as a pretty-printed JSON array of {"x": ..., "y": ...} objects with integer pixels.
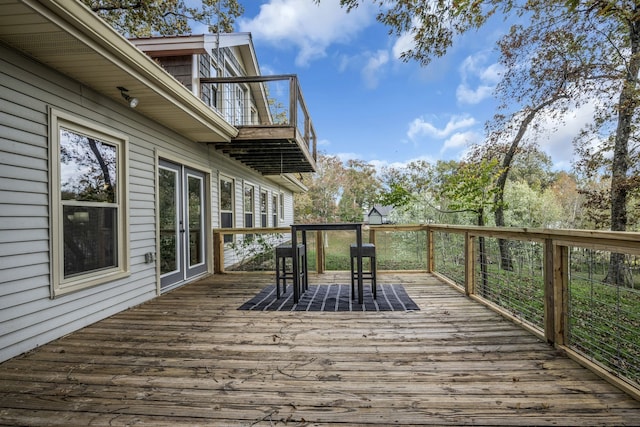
[{"x": 276, "y": 135}]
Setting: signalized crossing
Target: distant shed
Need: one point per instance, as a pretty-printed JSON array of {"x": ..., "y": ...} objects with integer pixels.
[{"x": 379, "y": 214}]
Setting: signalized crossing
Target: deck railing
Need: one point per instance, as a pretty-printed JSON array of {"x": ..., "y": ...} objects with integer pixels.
[
  {"x": 258, "y": 101},
  {"x": 555, "y": 283}
]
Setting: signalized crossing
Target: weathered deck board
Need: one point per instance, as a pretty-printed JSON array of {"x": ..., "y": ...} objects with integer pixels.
[{"x": 190, "y": 358}]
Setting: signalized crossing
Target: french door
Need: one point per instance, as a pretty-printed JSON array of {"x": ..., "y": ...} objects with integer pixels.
[{"x": 183, "y": 248}]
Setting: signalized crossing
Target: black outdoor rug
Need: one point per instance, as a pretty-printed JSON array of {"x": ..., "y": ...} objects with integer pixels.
[{"x": 332, "y": 298}]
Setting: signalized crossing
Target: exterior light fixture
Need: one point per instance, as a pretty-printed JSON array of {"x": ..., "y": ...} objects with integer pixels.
[{"x": 133, "y": 102}]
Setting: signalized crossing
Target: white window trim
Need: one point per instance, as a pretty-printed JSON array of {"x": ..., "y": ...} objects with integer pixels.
[
  {"x": 274, "y": 207},
  {"x": 59, "y": 285},
  {"x": 281, "y": 205},
  {"x": 265, "y": 193},
  {"x": 233, "y": 211},
  {"x": 246, "y": 185}
]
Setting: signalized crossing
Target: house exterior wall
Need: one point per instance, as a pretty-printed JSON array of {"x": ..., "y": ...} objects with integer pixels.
[
  {"x": 179, "y": 67},
  {"x": 29, "y": 317},
  {"x": 375, "y": 218}
]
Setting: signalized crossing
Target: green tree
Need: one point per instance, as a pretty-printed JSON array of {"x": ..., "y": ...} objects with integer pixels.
[
  {"x": 402, "y": 186},
  {"x": 143, "y": 18},
  {"x": 360, "y": 188},
  {"x": 565, "y": 192},
  {"x": 472, "y": 188},
  {"x": 531, "y": 207},
  {"x": 320, "y": 204},
  {"x": 606, "y": 42}
]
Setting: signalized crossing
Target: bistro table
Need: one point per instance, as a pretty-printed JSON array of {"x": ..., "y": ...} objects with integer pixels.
[{"x": 300, "y": 287}]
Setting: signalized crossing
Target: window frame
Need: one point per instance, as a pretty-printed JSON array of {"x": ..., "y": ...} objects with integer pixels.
[
  {"x": 281, "y": 205},
  {"x": 59, "y": 284},
  {"x": 228, "y": 238},
  {"x": 249, "y": 205},
  {"x": 264, "y": 208},
  {"x": 274, "y": 209}
]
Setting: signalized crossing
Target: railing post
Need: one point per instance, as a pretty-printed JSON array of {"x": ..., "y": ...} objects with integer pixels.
[
  {"x": 218, "y": 252},
  {"x": 293, "y": 102},
  {"x": 469, "y": 264},
  {"x": 430, "y": 251},
  {"x": 319, "y": 252},
  {"x": 561, "y": 294}
]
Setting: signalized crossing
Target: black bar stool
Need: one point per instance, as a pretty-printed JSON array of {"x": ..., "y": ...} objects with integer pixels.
[
  {"x": 283, "y": 252},
  {"x": 368, "y": 251}
]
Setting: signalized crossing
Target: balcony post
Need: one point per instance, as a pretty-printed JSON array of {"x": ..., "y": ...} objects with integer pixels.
[
  {"x": 469, "y": 264},
  {"x": 560, "y": 305},
  {"x": 319, "y": 252},
  {"x": 430, "y": 250},
  {"x": 293, "y": 100},
  {"x": 218, "y": 252}
]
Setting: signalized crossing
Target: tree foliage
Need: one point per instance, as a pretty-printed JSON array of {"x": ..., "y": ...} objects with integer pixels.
[
  {"x": 472, "y": 187},
  {"x": 359, "y": 191},
  {"x": 144, "y": 18}
]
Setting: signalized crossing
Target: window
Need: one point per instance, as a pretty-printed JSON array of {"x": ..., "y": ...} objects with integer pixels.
[
  {"x": 264, "y": 209},
  {"x": 281, "y": 206},
  {"x": 274, "y": 209},
  {"x": 89, "y": 213},
  {"x": 239, "y": 103},
  {"x": 249, "y": 205},
  {"x": 208, "y": 91},
  {"x": 226, "y": 206}
]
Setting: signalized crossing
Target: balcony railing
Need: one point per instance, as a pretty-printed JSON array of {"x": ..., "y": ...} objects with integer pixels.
[
  {"x": 276, "y": 134},
  {"x": 552, "y": 282}
]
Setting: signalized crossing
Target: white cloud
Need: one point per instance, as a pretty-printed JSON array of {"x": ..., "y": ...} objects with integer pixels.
[
  {"x": 557, "y": 142},
  {"x": 461, "y": 140},
  {"x": 373, "y": 69},
  {"x": 403, "y": 44},
  {"x": 345, "y": 157},
  {"x": 379, "y": 164},
  {"x": 323, "y": 142},
  {"x": 419, "y": 127},
  {"x": 308, "y": 26},
  {"x": 477, "y": 80},
  {"x": 466, "y": 95}
]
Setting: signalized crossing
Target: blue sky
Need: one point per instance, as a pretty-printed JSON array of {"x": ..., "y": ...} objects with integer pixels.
[{"x": 366, "y": 103}]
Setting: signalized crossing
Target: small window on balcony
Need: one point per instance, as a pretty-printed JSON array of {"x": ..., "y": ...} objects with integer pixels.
[{"x": 208, "y": 91}]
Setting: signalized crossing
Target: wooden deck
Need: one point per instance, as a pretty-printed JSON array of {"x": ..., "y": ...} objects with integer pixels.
[{"x": 190, "y": 358}]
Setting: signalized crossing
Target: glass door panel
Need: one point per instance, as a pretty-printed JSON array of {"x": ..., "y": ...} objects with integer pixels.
[
  {"x": 181, "y": 201},
  {"x": 169, "y": 187},
  {"x": 196, "y": 222}
]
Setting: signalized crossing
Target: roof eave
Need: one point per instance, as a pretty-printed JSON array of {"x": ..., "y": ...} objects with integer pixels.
[{"x": 159, "y": 87}]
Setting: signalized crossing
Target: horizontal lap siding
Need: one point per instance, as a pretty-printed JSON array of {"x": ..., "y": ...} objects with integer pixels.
[
  {"x": 28, "y": 316},
  {"x": 223, "y": 165}
]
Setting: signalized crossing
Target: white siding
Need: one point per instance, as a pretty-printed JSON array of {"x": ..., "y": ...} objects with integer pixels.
[{"x": 29, "y": 317}]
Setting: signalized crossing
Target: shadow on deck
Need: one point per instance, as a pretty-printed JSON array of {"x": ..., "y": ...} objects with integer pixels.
[{"x": 191, "y": 358}]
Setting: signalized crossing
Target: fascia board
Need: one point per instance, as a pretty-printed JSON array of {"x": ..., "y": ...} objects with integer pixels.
[{"x": 94, "y": 32}]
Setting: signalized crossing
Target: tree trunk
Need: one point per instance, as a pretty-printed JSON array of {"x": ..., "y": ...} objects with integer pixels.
[
  {"x": 506, "y": 261},
  {"x": 627, "y": 105}
]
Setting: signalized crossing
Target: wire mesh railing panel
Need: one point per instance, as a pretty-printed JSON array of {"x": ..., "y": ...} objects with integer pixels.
[
  {"x": 401, "y": 250},
  {"x": 448, "y": 255},
  {"x": 253, "y": 252},
  {"x": 510, "y": 274},
  {"x": 337, "y": 249},
  {"x": 604, "y": 309}
]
